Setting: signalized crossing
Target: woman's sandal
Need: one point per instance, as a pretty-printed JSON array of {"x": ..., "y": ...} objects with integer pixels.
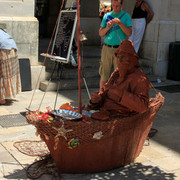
[
  {"x": 152, "y": 132},
  {"x": 2, "y": 102}
]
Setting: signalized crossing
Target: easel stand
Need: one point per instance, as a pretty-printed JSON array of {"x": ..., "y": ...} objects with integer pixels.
[
  {"x": 59, "y": 66},
  {"x": 60, "y": 70},
  {"x": 62, "y": 44}
]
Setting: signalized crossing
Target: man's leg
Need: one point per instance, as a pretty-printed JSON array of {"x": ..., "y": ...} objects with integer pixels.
[
  {"x": 107, "y": 59},
  {"x": 105, "y": 64}
]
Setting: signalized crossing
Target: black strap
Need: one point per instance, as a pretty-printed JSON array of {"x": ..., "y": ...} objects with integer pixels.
[
  {"x": 122, "y": 15},
  {"x": 111, "y": 27}
]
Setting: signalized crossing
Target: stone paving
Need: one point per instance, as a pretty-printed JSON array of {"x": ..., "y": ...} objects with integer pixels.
[{"x": 160, "y": 160}]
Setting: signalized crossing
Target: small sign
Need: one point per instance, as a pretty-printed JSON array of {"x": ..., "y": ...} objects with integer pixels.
[{"x": 64, "y": 35}]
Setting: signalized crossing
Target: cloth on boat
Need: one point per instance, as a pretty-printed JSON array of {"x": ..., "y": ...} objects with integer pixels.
[{"x": 10, "y": 84}]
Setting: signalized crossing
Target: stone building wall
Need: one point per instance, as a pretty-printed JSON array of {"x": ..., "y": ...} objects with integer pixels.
[
  {"x": 90, "y": 21},
  {"x": 163, "y": 29},
  {"x": 17, "y": 18}
]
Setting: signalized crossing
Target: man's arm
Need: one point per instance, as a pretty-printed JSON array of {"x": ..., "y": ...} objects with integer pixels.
[
  {"x": 146, "y": 7},
  {"x": 125, "y": 29},
  {"x": 104, "y": 30}
]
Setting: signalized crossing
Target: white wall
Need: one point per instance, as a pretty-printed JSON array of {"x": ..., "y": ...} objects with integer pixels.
[
  {"x": 17, "y": 8},
  {"x": 17, "y": 18}
]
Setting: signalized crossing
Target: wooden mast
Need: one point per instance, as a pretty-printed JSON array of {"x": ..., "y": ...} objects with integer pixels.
[{"x": 79, "y": 57}]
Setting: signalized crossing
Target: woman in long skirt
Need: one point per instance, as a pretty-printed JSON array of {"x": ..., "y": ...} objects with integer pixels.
[{"x": 10, "y": 83}]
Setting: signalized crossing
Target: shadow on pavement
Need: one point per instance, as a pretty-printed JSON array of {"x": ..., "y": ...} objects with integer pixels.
[
  {"x": 167, "y": 122},
  {"x": 135, "y": 171}
]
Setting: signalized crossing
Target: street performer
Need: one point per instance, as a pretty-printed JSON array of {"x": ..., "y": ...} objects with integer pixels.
[{"x": 127, "y": 90}]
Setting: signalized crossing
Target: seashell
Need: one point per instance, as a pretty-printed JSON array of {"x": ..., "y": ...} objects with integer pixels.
[{"x": 98, "y": 135}]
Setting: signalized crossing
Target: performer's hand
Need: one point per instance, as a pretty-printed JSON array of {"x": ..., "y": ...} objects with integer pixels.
[
  {"x": 95, "y": 97},
  {"x": 116, "y": 21},
  {"x": 109, "y": 24}
]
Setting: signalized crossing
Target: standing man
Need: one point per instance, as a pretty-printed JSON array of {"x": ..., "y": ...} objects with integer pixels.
[{"x": 115, "y": 27}]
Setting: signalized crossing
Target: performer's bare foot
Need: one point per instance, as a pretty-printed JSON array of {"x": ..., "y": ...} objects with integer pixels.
[{"x": 3, "y": 101}]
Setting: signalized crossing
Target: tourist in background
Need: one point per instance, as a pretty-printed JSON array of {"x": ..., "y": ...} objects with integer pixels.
[
  {"x": 142, "y": 15},
  {"x": 115, "y": 27},
  {"x": 103, "y": 11},
  {"x": 10, "y": 84}
]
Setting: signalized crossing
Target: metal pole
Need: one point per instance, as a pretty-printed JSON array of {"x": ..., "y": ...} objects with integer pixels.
[
  {"x": 83, "y": 74},
  {"x": 79, "y": 57}
]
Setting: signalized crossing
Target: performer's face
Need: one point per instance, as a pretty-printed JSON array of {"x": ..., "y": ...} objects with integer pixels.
[
  {"x": 116, "y": 6},
  {"x": 123, "y": 62}
]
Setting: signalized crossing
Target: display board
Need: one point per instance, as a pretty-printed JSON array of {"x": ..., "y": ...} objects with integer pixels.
[{"x": 64, "y": 35}]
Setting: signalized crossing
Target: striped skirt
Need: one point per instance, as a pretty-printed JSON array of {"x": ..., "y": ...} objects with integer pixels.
[{"x": 10, "y": 83}]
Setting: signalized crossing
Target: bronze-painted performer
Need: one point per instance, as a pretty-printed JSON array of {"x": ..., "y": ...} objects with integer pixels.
[{"x": 127, "y": 90}]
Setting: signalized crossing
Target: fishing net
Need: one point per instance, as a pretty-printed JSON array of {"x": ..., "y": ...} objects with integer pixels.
[{"x": 84, "y": 131}]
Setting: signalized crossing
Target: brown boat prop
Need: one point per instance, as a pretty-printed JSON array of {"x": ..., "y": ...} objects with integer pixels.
[
  {"x": 80, "y": 147},
  {"x": 95, "y": 145}
]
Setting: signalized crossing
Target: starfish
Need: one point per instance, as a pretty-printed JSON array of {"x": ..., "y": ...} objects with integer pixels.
[{"x": 62, "y": 131}]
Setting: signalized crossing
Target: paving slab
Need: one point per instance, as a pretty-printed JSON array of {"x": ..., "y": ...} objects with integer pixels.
[
  {"x": 153, "y": 171},
  {"x": 23, "y": 159},
  {"x": 150, "y": 153},
  {"x": 140, "y": 159},
  {"x": 17, "y": 133},
  {"x": 177, "y": 174},
  {"x": 5, "y": 156},
  {"x": 4, "y": 111},
  {"x": 168, "y": 163},
  {"x": 13, "y": 170},
  {"x": 165, "y": 150}
]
